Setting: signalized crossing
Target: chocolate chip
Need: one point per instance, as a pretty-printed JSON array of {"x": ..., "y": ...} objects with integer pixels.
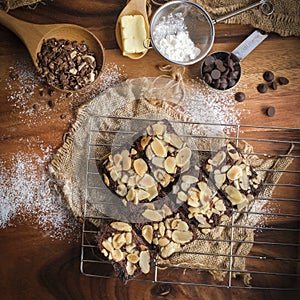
[
  {"x": 240, "y": 96},
  {"x": 209, "y": 60},
  {"x": 51, "y": 91},
  {"x": 273, "y": 85},
  {"x": 268, "y": 76},
  {"x": 270, "y": 111},
  {"x": 35, "y": 106},
  {"x": 215, "y": 74},
  {"x": 283, "y": 80},
  {"x": 207, "y": 78},
  {"x": 51, "y": 104},
  {"x": 262, "y": 88}
]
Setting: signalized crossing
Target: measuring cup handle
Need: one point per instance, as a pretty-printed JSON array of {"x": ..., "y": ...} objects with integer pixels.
[
  {"x": 249, "y": 44},
  {"x": 266, "y": 8}
]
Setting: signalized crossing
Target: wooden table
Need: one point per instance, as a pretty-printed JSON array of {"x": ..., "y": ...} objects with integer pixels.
[{"x": 36, "y": 266}]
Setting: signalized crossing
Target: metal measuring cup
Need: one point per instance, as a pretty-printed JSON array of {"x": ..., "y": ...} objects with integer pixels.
[
  {"x": 222, "y": 70},
  {"x": 198, "y": 23}
]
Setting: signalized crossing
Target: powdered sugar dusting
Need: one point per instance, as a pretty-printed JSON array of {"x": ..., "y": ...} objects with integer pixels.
[
  {"x": 208, "y": 105},
  {"x": 26, "y": 194}
]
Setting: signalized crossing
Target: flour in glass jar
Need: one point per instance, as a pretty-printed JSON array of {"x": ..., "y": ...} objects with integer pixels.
[{"x": 172, "y": 39}]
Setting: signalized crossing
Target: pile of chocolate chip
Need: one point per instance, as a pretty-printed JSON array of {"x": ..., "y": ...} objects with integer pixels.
[
  {"x": 221, "y": 70},
  {"x": 269, "y": 77},
  {"x": 68, "y": 65}
]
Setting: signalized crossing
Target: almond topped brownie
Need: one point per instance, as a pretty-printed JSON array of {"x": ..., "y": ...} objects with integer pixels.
[
  {"x": 233, "y": 176},
  {"x": 201, "y": 203},
  {"x": 146, "y": 170},
  {"x": 128, "y": 253}
]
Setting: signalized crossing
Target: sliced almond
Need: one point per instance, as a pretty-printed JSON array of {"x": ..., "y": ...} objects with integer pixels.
[
  {"x": 133, "y": 258},
  {"x": 133, "y": 151},
  {"x": 158, "y": 161},
  {"x": 181, "y": 225},
  {"x": 183, "y": 156},
  {"x": 161, "y": 229},
  {"x": 152, "y": 215},
  {"x": 185, "y": 186},
  {"x": 192, "y": 202},
  {"x": 117, "y": 255},
  {"x": 170, "y": 164},
  {"x": 144, "y": 262},
  {"x": 244, "y": 181},
  {"x": 126, "y": 160},
  {"x": 142, "y": 194},
  {"x": 117, "y": 158},
  {"x": 158, "y": 148},
  {"x": 108, "y": 245},
  {"x": 220, "y": 206},
  {"x": 119, "y": 240},
  {"x": 162, "y": 177},
  {"x": 219, "y": 179},
  {"x": 206, "y": 230},
  {"x": 153, "y": 193},
  {"x": 163, "y": 241},
  {"x": 159, "y": 129},
  {"x": 106, "y": 180},
  {"x": 114, "y": 174},
  {"x": 140, "y": 167},
  {"x": 182, "y": 237},
  {"x": 170, "y": 249},
  {"x": 121, "y": 226},
  {"x": 175, "y": 141},
  {"x": 145, "y": 141},
  {"x": 130, "y": 248},
  {"x": 234, "y": 195},
  {"x": 218, "y": 159},
  {"x": 182, "y": 196},
  {"x": 130, "y": 268},
  {"x": 189, "y": 179},
  {"x": 121, "y": 190},
  {"x": 147, "y": 233},
  {"x": 146, "y": 182},
  {"x": 166, "y": 210},
  {"x": 130, "y": 194},
  {"x": 104, "y": 252},
  {"x": 234, "y": 173},
  {"x": 128, "y": 238},
  {"x": 149, "y": 153}
]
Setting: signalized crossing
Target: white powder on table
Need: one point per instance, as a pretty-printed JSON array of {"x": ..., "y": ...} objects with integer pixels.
[
  {"x": 26, "y": 193},
  {"x": 172, "y": 39}
]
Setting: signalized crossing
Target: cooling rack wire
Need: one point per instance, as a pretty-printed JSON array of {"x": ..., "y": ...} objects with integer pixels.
[{"x": 274, "y": 260}]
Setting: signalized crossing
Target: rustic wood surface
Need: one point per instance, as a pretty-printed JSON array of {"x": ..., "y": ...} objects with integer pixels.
[{"x": 35, "y": 266}]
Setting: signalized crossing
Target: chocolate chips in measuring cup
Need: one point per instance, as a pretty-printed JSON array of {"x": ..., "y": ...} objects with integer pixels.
[
  {"x": 221, "y": 70},
  {"x": 68, "y": 65}
]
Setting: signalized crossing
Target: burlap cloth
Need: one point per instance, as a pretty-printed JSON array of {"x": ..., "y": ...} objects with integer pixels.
[
  {"x": 149, "y": 98},
  {"x": 285, "y": 20}
]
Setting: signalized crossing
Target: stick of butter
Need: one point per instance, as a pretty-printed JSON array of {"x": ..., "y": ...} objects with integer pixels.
[{"x": 133, "y": 33}]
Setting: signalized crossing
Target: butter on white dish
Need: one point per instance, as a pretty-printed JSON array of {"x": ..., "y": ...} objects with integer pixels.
[{"x": 133, "y": 33}]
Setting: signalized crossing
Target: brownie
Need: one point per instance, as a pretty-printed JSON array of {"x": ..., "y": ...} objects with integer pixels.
[
  {"x": 201, "y": 203},
  {"x": 145, "y": 171},
  {"x": 128, "y": 253},
  {"x": 233, "y": 176}
]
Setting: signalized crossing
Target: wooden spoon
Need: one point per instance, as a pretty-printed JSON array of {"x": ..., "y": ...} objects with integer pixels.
[
  {"x": 32, "y": 35},
  {"x": 133, "y": 7}
]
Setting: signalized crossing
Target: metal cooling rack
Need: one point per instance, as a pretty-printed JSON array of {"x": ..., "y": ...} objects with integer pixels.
[{"x": 274, "y": 259}]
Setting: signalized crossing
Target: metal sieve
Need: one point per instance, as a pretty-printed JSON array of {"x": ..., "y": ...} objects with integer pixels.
[{"x": 197, "y": 24}]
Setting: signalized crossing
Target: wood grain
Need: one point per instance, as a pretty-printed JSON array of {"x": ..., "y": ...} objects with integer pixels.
[{"x": 35, "y": 266}]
